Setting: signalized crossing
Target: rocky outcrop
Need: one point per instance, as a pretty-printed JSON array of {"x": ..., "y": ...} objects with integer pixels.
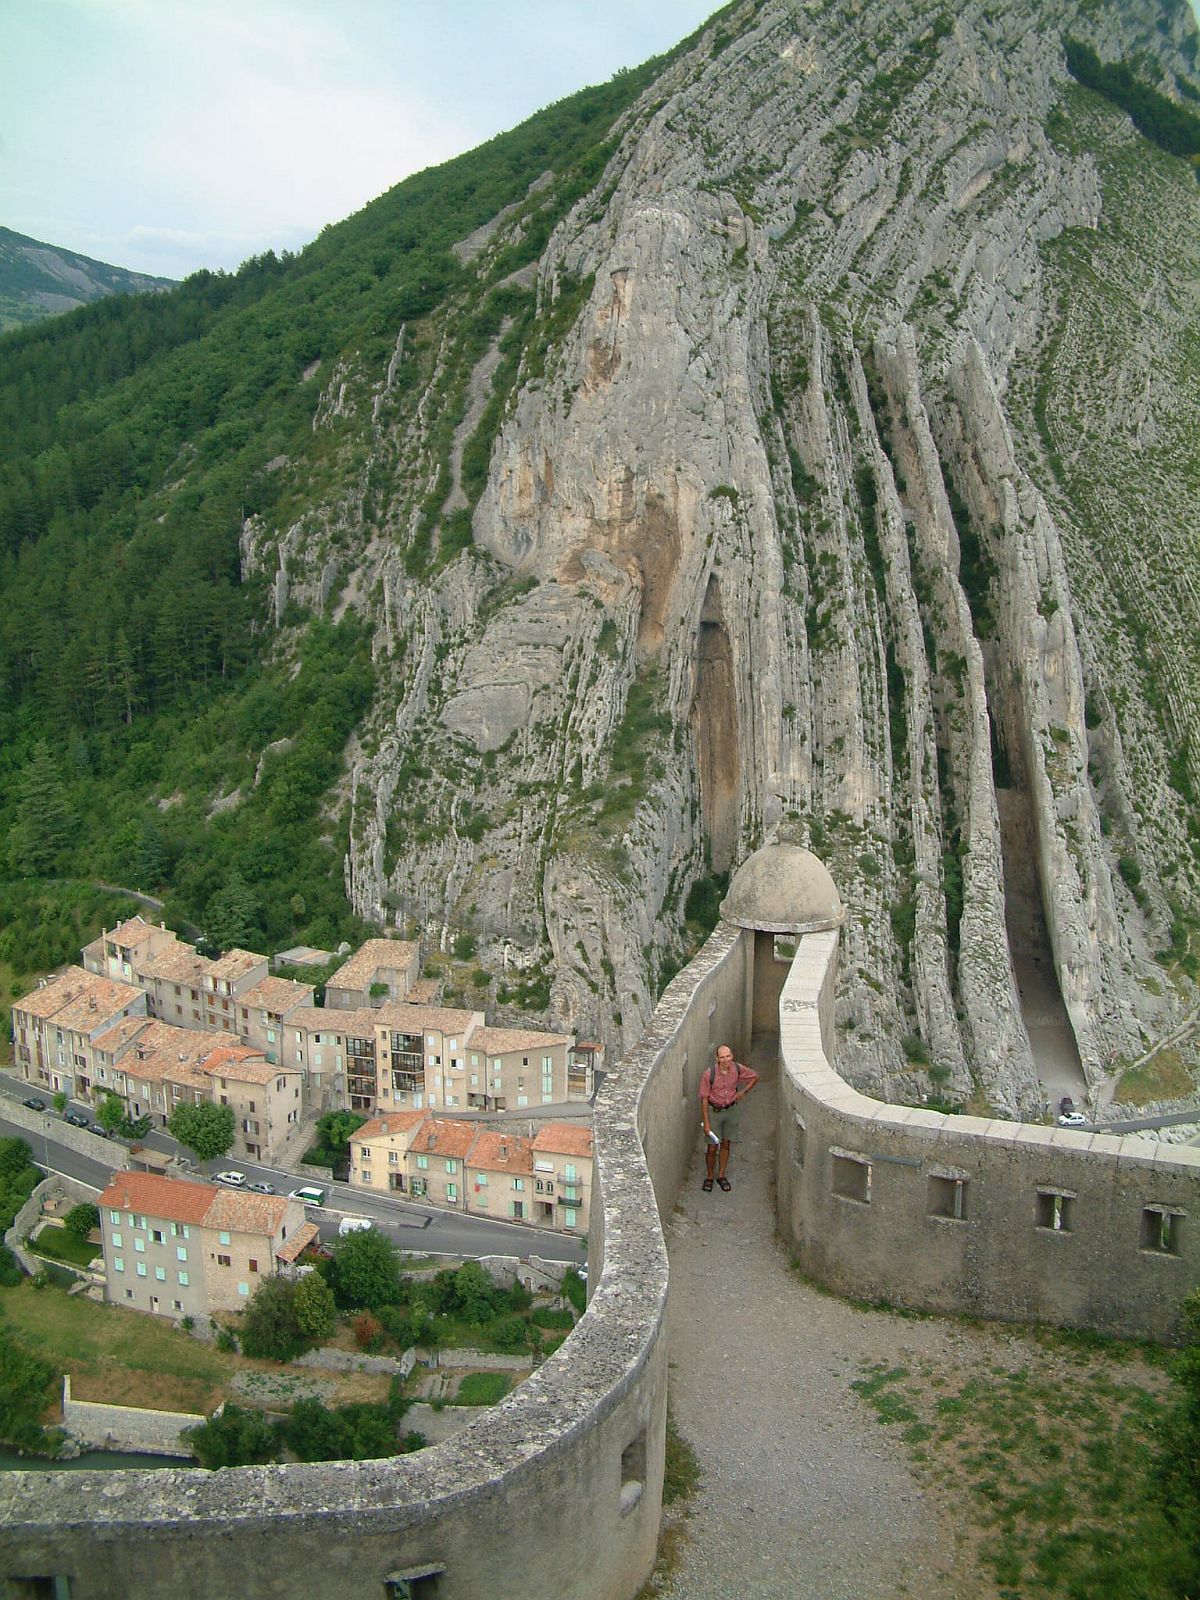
[{"x": 788, "y": 525}]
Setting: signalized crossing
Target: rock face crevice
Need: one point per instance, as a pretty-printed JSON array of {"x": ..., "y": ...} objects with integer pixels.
[{"x": 811, "y": 507}]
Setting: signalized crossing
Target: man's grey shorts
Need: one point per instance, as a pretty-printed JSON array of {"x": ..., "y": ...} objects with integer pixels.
[{"x": 723, "y": 1123}]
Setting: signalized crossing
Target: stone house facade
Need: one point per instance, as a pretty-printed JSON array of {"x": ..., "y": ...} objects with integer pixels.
[
  {"x": 545, "y": 1179},
  {"x": 380, "y": 970},
  {"x": 56, "y": 1027},
  {"x": 176, "y": 1248}
]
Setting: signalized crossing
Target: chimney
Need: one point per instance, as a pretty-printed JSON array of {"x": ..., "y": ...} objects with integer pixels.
[
  {"x": 503, "y": 1149},
  {"x": 91, "y": 1002}
]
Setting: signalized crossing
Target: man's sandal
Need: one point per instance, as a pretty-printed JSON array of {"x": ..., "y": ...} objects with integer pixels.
[
  {"x": 724, "y": 1184},
  {"x": 707, "y": 1185}
]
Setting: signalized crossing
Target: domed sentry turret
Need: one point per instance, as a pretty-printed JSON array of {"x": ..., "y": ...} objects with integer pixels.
[{"x": 783, "y": 888}]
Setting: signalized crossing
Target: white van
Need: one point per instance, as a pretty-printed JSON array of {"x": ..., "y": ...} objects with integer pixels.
[
  {"x": 354, "y": 1225},
  {"x": 309, "y": 1195}
]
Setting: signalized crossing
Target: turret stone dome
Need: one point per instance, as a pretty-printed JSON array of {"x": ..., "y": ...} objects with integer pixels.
[{"x": 783, "y": 888}]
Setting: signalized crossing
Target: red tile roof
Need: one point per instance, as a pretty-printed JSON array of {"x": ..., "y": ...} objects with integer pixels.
[
  {"x": 298, "y": 1243},
  {"x": 564, "y": 1139},
  {"x": 151, "y": 1195},
  {"x": 388, "y": 1123},
  {"x": 501, "y": 1152}
]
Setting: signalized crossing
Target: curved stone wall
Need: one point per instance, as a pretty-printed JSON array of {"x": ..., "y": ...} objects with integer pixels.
[
  {"x": 556, "y": 1491},
  {"x": 968, "y": 1214}
]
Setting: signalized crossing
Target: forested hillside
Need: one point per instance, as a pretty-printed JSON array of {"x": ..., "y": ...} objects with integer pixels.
[
  {"x": 43, "y": 280},
  {"x": 139, "y": 686}
]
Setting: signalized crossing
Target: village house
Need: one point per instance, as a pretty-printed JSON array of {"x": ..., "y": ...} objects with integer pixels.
[
  {"x": 562, "y": 1176},
  {"x": 55, "y": 1027},
  {"x": 379, "y": 971},
  {"x": 511, "y": 1068},
  {"x": 545, "y": 1179},
  {"x": 266, "y": 1098},
  {"x": 421, "y": 1055},
  {"x": 263, "y": 1008},
  {"x": 177, "y": 1248},
  {"x": 500, "y": 1176}
]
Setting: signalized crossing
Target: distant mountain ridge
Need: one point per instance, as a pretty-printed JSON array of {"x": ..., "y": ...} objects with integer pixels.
[{"x": 40, "y": 280}]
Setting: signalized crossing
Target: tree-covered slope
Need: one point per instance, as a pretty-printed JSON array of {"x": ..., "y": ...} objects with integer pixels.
[
  {"x": 43, "y": 280},
  {"x": 136, "y": 438}
]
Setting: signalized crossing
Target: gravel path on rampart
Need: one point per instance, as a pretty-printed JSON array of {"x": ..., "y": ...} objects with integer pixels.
[{"x": 803, "y": 1494}]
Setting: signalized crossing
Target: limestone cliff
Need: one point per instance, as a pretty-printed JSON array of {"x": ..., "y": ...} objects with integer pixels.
[{"x": 840, "y": 479}]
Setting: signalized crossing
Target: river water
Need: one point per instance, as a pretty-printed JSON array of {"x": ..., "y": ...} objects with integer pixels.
[{"x": 105, "y": 1460}]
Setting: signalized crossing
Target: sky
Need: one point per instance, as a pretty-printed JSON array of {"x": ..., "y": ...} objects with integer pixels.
[{"x": 167, "y": 135}]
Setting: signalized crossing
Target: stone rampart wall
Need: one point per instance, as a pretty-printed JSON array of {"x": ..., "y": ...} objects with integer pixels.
[
  {"x": 555, "y": 1491},
  {"x": 970, "y": 1214},
  {"x": 103, "y": 1427}
]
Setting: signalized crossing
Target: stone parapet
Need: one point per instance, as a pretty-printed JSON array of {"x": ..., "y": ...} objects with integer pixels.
[{"x": 972, "y": 1215}]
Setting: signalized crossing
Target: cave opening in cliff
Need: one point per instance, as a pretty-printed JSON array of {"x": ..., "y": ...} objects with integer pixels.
[{"x": 714, "y": 725}]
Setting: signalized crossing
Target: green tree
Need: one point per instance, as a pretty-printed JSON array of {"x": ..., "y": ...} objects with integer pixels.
[
  {"x": 81, "y": 1219},
  {"x": 59, "y": 1102},
  {"x": 315, "y": 1307},
  {"x": 42, "y": 828},
  {"x": 333, "y": 1133},
  {"x": 207, "y": 1128},
  {"x": 111, "y": 1113},
  {"x": 237, "y": 1438},
  {"x": 476, "y": 1295},
  {"x": 365, "y": 1271},
  {"x": 270, "y": 1329},
  {"x": 232, "y": 914}
]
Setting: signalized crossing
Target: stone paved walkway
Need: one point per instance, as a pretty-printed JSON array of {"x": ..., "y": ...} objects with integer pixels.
[{"x": 803, "y": 1493}]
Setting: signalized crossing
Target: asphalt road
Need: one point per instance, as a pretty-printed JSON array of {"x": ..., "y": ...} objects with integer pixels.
[{"x": 414, "y": 1227}]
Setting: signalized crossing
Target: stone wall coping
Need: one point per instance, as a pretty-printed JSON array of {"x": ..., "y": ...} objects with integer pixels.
[{"x": 808, "y": 1068}]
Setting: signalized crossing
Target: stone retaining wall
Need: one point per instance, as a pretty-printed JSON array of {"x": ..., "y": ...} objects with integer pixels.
[
  {"x": 110, "y": 1151},
  {"x": 972, "y": 1215},
  {"x": 104, "y": 1427},
  {"x": 26, "y": 1219}
]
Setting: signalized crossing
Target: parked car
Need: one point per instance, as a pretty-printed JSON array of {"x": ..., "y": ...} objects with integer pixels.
[
  {"x": 77, "y": 1119},
  {"x": 34, "y": 1103},
  {"x": 309, "y": 1195},
  {"x": 235, "y": 1180},
  {"x": 354, "y": 1225},
  {"x": 261, "y": 1188},
  {"x": 94, "y": 1127},
  {"x": 1072, "y": 1119}
]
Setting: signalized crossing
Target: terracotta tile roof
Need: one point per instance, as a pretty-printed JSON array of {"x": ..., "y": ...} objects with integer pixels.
[
  {"x": 501, "y": 1041},
  {"x": 132, "y": 932},
  {"x": 242, "y": 1064},
  {"x": 360, "y": 1021},
  {"x": 382, "y": 1127},
  {"x": 234, "y": 1211},
  {"x": 299, "y": 1242},
  {"x": 116, "y": 1039},
  {"x": 178, "y": 963},
  {"x": 407, "y": 1018},
  {"x": 442, "y": 1138},
  {"x": 376, "y": 955},
  {"x": 564, "y": 1139},
  {"x": 235, "y": 964},
  {"x": 79, "y": 999},
  {"x": 501, "y": 1152},
  {"x": 163, "y": 1053},
  {"x": 277, "y": 994},
  {"x": 151, "y": 1195}
]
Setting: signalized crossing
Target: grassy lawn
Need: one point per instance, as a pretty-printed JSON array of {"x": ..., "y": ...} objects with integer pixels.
[
  {"x": 63, "y": 1246},
  {"x": 1164, "y": 1077},
  {"x": 1045, "y": 1443},
  {"x": 132, "y": 1359},
  {"x": 481, "y": 1389}
]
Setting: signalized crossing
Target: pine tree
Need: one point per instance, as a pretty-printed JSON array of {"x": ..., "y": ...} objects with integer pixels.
[
  {"x": 232, "y": 914},
  {"x": 42, "y": 828}
]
